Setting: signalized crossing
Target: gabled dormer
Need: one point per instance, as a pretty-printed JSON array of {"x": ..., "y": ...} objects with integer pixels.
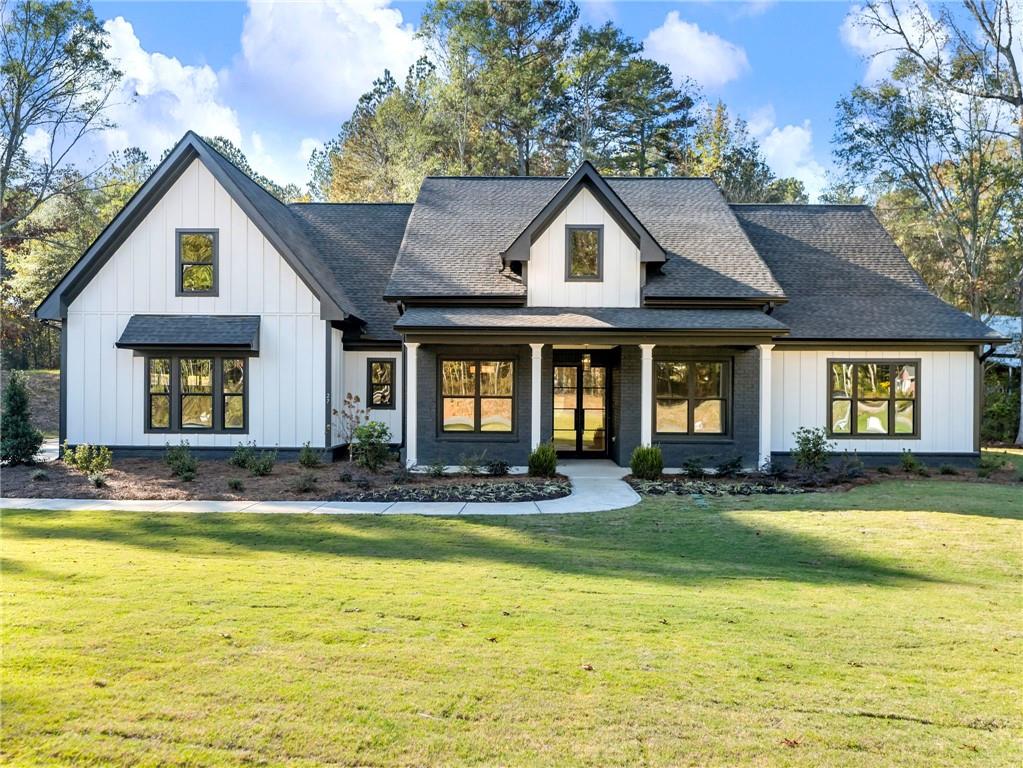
[{"x": 585, "y": 248}]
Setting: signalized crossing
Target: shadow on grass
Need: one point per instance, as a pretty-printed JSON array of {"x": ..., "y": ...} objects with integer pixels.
[{"x": 666, "y": 542}]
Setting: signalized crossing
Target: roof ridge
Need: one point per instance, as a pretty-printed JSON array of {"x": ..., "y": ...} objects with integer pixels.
[
  {"x": 856, "y": 206},
  {"x": 325, "y": 203}
]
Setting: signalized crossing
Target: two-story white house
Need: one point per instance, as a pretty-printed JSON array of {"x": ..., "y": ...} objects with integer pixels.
[{"x": 497, "y": 313}]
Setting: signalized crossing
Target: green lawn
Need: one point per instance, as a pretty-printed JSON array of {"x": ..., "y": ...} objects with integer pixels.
[{"x": 878, "y": 627}]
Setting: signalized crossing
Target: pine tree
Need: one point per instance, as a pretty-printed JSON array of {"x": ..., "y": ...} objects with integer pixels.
[{"x": 19, "y": 440}]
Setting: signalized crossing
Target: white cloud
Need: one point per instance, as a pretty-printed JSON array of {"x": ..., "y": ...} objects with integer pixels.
[
  {"x": 318, "y": 58},
  {"x": 755, "y": 8},
  {"x": 788, "y": 149},
  {"x": 160, "y": 98},
  {"x": 691, "y": 52},
  {"x": 306, "y": 147},
  {"x": 880, "y": 50},
  {"x": 37, "y": 144}
]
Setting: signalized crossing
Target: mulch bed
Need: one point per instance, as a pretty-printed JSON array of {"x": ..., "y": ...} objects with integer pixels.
[
  {"x": 492, "y": 490},
  {"x": 151, "y": 479},
  {"x": 686, "y": 487}
]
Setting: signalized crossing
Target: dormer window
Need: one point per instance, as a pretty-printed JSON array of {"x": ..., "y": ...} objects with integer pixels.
[
  {"x": 584, "y": 253},
  {"x": 197, "y": 262}
]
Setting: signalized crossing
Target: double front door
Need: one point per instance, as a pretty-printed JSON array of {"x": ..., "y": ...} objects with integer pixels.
[{"x": 580, "y": 408}]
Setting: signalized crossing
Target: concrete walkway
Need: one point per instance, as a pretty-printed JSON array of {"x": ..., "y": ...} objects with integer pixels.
[{"x": 597, "y": 486}]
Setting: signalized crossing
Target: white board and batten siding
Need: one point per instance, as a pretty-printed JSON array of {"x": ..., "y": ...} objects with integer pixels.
[
  {"x": 622, "y": 275},
  {"x": 799, "y": 389},
  {"x": 106, "y": 385}
]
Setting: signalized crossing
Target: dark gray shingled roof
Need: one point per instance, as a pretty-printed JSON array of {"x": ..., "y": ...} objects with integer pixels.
[
  {"x": 214, "y": 331},
  {"x": 358, "y": 242},
  {"x": 460, "y": 225},
  {"x": 581, "y": 319},
  {"x": 845, "y": 277}
]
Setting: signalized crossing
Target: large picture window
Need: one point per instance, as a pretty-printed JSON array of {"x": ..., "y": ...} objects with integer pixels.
[
  {"x": 197, "y": 262},
  {"x": 690, "y": 397},
  {"x": 477, "y": 395},
  {"x": 871, "y": 398},
  {"x": 584, "y": 252},
  {"x": 196, "y": 393}
]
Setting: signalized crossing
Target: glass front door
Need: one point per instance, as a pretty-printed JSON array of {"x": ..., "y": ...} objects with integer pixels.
[{"x": 580, "y": 409}]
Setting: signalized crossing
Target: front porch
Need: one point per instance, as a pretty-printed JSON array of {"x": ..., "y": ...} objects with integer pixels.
[{"x": 695, "y": 397}]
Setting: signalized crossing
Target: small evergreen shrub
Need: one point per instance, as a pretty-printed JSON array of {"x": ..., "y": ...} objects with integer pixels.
[
  {"x": 497, "y": 468},
  {"x": 305, "y": 483},
  {"x": 543, "y": 461},
  {"x": 97, "y": 479},
  {"x": 345, "y": 477},
  {"x": 309, "y": 457},
  {"x": 693, "y": 467},
  {"x": 813, "y": 451},
  {"x": 88, "y": 459},
  {"x": 262, "y": 463},
  {"x": 39, "y": 475},
  {"x": 884, "y": 470},
  {"x": 19, "y": 440},
  {"x": 947, "y": 469},
  {"x": 988, "y": 464},
  {"x": 436, "y": 469},
  {"x": 850, "y": 467},
  {"x": 183, "y": 464},
  {"x": 910, "y": 463},
  {"x": 243, "y": 455},
  {"x": 371, "y": 445},
  {"x": 729, "y": 467},
  {"x": 472, "y": 463},
  {"x": 234, "y": 484},
  {"x": 647, "y": 462}
]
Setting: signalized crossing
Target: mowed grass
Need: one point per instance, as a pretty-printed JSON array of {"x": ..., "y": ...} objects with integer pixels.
[{"x": 872, "y": 628}]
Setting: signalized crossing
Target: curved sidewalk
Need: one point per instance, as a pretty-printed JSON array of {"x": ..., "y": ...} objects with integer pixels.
[{"x": 597, "y": 486}]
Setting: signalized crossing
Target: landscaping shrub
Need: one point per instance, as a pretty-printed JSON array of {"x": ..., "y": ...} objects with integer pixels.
[
  {"x": 947, "y": 469},
  {"x": 813, "y": 450},
  {"x": 371, "y": 445},
  {"x": 647, "y": 462},
  {"x": 436, "y": 469},
  {"x": 988, "y": 464},
  {"x": 305, "y": 483},
  {"x": 182, "y": 462},
  {"x": 39, "y": 475},
  {"x": 234, "y": 484},
  {"x": 243, "y": 455},
  {"x": 261, "y": 463},
  {"x": 88, "y": 459},
  {"x": 497, "y": 468},
  {"x": 884, "y": 470},
  {"x": 729, "y": 467},
  {"x": 345, "y": 477},
  {"x": 472, "y": 463},
  {"x": 19, "y": 440},
  {"x": 309, "y": 457},
  {"x": 693, "y": 467},
  {"x": 850, "y": 467},
  {"x": 910, "y": 463},
  {"x": 543, "y": 460},
  {"x": 97, "y": 479}
]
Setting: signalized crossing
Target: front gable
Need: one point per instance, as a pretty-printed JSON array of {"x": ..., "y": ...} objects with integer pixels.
[{"x": 209, "y": 178}]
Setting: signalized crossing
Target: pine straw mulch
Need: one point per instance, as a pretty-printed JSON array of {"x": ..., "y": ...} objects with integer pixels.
[{"x": 150, "y": 478}]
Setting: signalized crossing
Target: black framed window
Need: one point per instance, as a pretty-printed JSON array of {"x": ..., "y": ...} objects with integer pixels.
[
  {"x": 873, "y": 398},
  {"x": 380, "y": 384},
  {"x": 584, "y": 252},
  {"x": 690, "y": 397},
  {"x": 197, "y": 257},
  {"x": 477, "y": 395},
  {"x": 196, "y": 393}
]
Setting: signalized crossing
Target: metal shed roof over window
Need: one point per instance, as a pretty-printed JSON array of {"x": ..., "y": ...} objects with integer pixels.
[{"x": 227, "y": 332}]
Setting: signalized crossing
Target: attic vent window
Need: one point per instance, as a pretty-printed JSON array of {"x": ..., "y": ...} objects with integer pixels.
[
  {"x": 584, "y": 253},
  {"x": 197, "y": 262}
]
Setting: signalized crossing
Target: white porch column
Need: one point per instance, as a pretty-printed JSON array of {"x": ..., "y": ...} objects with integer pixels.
[
  {"x": 646, "y": 389},
  {"x": 764, "y": 454},
  {"x": 537, "y": 386},
  {"x": 411, "y": 403}
]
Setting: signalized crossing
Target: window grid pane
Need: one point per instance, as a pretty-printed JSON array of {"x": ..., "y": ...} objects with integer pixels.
[
  {"x": 477, "y": 396},
  {"x": 871, "y": 398},
  {"x": 689, "y": 397}
]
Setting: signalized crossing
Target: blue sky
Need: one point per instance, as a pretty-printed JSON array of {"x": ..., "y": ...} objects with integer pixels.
[{"x": 280, "y": 77}]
